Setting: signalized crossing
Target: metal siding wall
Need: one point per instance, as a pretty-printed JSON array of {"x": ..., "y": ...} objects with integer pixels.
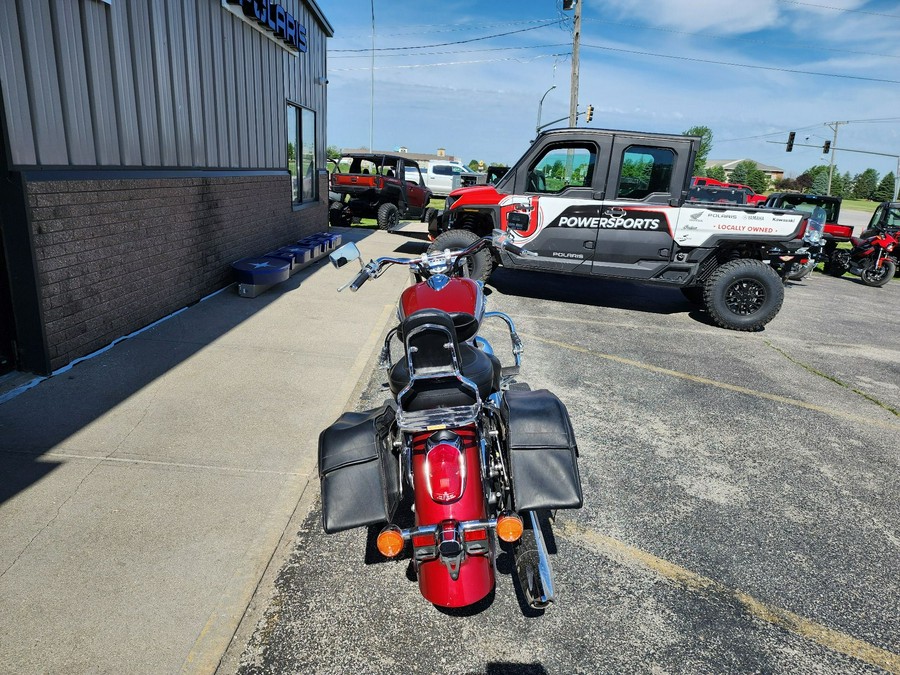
[
  {"x": 152, "y": 83},
  {"x": 162, "y": 83},
  {"x": 43, "y": 83},
  {"x": 144, "y": 82},
  {"x": 123, "y": 92},
  {"x": 195, "y": 88},
  {"x": 76, "y": 102},
  {"x": 15, "y": 88},
  {"x": 178, "y": 92},
  {"x": 97, "y": 40}
]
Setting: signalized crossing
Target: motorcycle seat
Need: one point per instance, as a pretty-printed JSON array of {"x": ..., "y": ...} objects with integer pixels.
[
  {"x": 442, "y": 389},
  {"x": 856, "y": 241}
]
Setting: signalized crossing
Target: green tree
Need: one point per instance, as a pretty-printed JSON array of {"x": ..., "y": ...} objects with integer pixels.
[
  {"x": 473, "y": 164},
  {"x": 885, "y": 190},
  {"x": 865, "y": 184},
  {"x": 741, "y": 172},
  {"x": 758, "y": 180},
  {"x": 717, "y": 173},
  {"x": 333, "y": 152},
  {"x": 706, "y": 138},
  {"x": 820, "y": 184}
]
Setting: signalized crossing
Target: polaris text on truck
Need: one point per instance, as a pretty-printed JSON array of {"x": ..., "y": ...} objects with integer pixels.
[{"x": 612, "y": 204}]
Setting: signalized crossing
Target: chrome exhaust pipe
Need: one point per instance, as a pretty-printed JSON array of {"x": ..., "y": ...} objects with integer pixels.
[{"x": 533, "y": 567}]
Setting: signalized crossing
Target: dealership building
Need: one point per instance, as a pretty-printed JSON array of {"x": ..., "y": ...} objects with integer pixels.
[{"x": 145, "y": 146}]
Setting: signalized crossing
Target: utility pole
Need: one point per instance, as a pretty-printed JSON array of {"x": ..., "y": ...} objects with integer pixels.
[
  {"x": 576, "y": 40},
  {"x": 372, "y": 117},
  {"x": 834, "y": 127}
]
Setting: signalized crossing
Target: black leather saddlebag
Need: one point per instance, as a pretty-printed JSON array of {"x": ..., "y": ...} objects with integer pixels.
[
  {"x": 358, "y": 470},
  {"x": 542, "y": 451}
]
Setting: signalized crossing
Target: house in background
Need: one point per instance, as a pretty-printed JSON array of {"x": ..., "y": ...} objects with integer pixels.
[{"x": 773, "y": 172}]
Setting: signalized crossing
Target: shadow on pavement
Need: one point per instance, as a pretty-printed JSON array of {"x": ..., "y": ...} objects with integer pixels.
[{"x": 43, "y": 417}]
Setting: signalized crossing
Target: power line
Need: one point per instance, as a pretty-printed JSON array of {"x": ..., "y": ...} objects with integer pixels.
[
  {"x": 741, "y": 65},
  {"x": 443, "y": 28},
  {"x": 451, "y": 63},
  {"x": 446, "y": 44},
  {"x": 452, "y": 51},
  {"x": 733, "y": 38},
  {"x": 840, "y": 9}
]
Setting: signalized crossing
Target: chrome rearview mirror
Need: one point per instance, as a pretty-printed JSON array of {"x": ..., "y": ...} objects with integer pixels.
[{"x": 341, "y": 256}]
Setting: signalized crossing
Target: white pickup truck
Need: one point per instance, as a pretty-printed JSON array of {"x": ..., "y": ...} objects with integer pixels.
[{"x": 443, "y": 177}]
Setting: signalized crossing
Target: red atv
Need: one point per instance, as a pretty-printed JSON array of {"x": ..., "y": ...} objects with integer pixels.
[
  {"x": 752, "y": 197},
  {"x": 375, "y": 185}
]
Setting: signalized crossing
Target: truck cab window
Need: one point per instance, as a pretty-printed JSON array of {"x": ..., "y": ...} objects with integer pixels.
[
  {"x": 645, "y": 170},
  {"x": 562, "y": 167}
]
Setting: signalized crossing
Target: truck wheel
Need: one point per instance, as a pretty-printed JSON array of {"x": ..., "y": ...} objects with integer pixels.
[
  {"x": 743, "y": 294},
  {"x": 480, "y": 264},
  {"x": 338, "y": 216},
  {"x": 428, "y": 214},
  {"x": 388, "y": 216},
  {"x": 879, "y": 276}
]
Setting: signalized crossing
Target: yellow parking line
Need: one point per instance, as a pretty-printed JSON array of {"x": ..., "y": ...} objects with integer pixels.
[
  {"x": 864, "y": 419},
  {"x": 782, "y": 618}
]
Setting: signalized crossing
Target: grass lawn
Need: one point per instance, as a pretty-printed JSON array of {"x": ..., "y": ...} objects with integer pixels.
[{"x": 859, "y": 205}]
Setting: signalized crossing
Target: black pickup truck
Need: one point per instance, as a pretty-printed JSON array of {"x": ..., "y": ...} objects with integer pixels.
[{"x": 614, "y": 204}]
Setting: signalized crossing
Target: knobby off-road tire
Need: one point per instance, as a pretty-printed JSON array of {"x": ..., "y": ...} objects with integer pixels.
[
  {"x": 743, "y": 294},
  {"x": 388, "y": 216},
  {"x": 481, "y": 264},
  {"x": 428, "y": 214},
  {"x": 338, "y": 216},
  {"x": 878, "y": 277}
]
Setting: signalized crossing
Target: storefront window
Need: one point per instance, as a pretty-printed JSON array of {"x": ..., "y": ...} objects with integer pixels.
[{"x": 301, "y": 154}]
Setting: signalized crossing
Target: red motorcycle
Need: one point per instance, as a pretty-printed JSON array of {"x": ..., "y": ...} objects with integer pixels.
[
  {"x": 477, "y": 449},
  {"x": 872, "y": 258}
]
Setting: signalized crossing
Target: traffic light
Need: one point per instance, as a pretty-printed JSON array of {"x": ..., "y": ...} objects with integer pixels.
[
  {"x": 589, "y": 115},
  {"x": 569, "y": 4},
  {"x": 826, "y": 147},
  {"x": 790, "y": 143}
]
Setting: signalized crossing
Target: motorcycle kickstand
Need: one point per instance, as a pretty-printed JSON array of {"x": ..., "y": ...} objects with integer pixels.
[{"x": 533, "y": 568}]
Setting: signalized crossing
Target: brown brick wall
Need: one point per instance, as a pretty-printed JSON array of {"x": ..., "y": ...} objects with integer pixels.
[{"x": 115, "y": 255}]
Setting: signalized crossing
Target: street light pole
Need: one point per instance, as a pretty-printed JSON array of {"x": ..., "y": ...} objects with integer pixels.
[
  {"x": 537, "y": 128},
  {"x": 576, "y": 40}
]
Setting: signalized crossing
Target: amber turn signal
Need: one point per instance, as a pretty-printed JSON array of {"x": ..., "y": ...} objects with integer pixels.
[
  {"x": 509, "y": 527},
  {"x": 390, "y": 541}
]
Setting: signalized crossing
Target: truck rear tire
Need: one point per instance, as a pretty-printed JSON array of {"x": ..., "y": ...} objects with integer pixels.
[
  {"x": 481, "y": 263},
  {"x": 388, "y": 216},
  {"x": 743, "y": 294}
]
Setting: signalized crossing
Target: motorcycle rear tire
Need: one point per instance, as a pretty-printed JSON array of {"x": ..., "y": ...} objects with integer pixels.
[
  {"x": 480, "y": 263},
  {"x": 879, "y": 276}
]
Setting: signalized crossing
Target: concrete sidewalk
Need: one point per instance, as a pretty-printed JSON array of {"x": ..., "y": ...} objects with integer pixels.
[{"x": 145, "y": 490}]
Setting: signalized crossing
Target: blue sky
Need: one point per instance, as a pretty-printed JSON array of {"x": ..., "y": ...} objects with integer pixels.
[{"x": 652, "y": 65}]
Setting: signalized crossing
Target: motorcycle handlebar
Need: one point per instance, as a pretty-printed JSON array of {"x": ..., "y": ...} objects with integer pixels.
[{"x": 359, "y": 280}]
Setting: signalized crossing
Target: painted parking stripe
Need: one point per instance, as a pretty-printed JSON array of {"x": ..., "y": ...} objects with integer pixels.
[
  {"x": 829, "y": 638},
  {"x": 862, "y": 419}
]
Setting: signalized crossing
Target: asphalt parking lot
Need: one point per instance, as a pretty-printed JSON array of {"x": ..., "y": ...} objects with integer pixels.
[{"x": 741, "y": 502}]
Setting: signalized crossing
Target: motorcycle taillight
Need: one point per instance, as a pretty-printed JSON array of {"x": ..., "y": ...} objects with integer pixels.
[{"x": 445, "y": 469}]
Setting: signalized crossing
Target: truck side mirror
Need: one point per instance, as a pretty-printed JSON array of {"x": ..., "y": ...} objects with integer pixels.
[{"x": 517, "y": 221}]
